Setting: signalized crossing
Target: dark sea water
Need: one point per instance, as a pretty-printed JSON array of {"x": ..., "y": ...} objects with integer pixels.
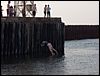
[{"x": 81, "y": 58}]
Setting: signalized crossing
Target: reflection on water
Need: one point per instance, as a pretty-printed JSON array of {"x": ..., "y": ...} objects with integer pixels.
[{"x": 81, "y": 58}]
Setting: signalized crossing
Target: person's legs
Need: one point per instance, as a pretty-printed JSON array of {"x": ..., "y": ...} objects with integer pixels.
[
  {"x": 44, "y": 13},
  {"x": 23, "y": 14},
  {"x": 51, "y": 50},
  {"x": 33, "y": 13},
  {"x": 49, "y": 13},
  {"x": 55, "y": 51},
  {"x": 7, "y": 12}
]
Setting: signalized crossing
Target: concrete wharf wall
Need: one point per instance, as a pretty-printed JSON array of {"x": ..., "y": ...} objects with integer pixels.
[{"x": 76, "y": 32}]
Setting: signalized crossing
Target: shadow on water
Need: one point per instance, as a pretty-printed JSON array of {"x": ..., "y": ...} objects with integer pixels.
[
  {"x": 32, "y": 66},
  {"x": 23, "y": 59}
]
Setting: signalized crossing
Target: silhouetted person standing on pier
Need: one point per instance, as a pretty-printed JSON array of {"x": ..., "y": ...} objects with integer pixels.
[
  {"x": 8, "y": 7},
  {"x": 48, "y": 11},
  {"x": 34, "y": 10},
  {"x": 14, "y": 11},
  {"x": 11, "y": 11},
  {"x": 23, "y": 13},
  {"x": 1, "y": 11},
  {"x": 45, "y": 10}
]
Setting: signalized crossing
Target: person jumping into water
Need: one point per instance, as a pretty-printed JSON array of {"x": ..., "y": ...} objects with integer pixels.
[{"x": 51, "y": 49}]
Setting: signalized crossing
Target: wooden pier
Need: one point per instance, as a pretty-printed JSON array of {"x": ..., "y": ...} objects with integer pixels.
[
  {"x": 76, "y": 32},
  {"x": 23, "y": 36}
]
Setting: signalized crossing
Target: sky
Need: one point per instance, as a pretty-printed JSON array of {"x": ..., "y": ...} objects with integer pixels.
[{"x": 71, "y": 12}]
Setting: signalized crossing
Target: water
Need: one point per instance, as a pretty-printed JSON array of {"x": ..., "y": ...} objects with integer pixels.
[{"x": 81, "y": 58}]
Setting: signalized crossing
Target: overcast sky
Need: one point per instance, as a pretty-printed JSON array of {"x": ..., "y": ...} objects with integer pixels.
[{"x": 71, "y": 12}]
